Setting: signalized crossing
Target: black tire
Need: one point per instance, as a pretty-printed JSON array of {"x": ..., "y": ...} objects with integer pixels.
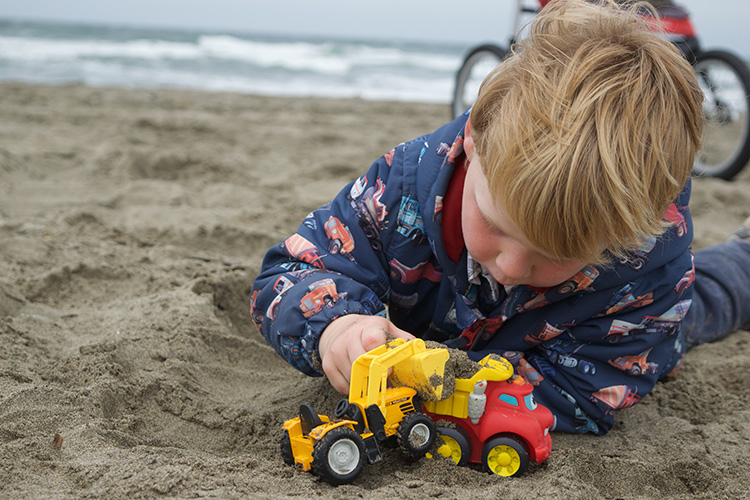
[
  {"x": 476, "y": 65},
  {"x": 416, "y": 434},
  {"x": 457, "y": 443},
  {"x": 725, "y": 81},
  {"x": 505, "y": 456},
  {"x": 286, "y": 448},
  {"x": 567, "y": 287},
  {"x": 586, "y": 368},
  {"x": 339, "y": 457},
  {"x": 334, "y": 246}
]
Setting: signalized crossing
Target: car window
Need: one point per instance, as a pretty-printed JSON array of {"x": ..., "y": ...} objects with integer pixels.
[{"x": 509, "y": 399}]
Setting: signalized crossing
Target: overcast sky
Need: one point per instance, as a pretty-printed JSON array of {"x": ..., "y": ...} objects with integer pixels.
[{"x": 719, "y": 22}]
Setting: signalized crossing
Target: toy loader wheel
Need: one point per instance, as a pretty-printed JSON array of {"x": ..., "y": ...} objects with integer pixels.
[
  {"x": 286, "y": 448},
  {"x": 416, "y": 434},
  {"x": 340, "y": 456},
  {"x": 505, "y": 456}
]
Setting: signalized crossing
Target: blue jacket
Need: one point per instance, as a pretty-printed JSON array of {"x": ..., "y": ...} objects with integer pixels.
[{"x": 591, "y": 346}]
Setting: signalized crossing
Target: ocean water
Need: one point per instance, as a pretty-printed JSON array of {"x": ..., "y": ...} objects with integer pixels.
[{"x": 221, "y": 61}]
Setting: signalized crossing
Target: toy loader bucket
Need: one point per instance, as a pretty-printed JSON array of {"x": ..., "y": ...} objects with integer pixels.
[
  {"x": 411, "y": 363},
  {"x": 422, "y": 372}
]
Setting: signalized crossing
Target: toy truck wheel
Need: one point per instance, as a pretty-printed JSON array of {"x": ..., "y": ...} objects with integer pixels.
[
  {"x": 505, "y": 456},
  {"x": 416, "y": 434},
  {"x": 286, "y": 449},
  {"x": 340, "y": 456},
  {"x": 453, "y": 444}
]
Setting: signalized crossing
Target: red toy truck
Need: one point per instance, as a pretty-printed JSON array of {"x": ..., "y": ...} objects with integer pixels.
[{"x": 493, "y": 420}]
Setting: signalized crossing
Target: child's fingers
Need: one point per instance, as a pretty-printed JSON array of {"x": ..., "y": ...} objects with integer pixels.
[
  {"x": 349, "y": 337},
  {"x": 372, "y": 336},
  {"x": 339, "y": 383},
  {"x": 379, "y": 331},
  {"x": 336, "y": 376},
  {"x": 399, "y": 333}
]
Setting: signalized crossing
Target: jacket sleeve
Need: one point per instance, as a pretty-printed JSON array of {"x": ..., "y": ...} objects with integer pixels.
[
  {"x": 584, "y": 370},
  {"x": 335, "y": 264}
]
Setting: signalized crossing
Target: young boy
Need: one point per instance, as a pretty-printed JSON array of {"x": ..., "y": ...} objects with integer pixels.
[{"x": 550, "y": 226}]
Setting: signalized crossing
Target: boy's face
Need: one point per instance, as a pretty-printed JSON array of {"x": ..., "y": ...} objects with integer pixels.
[{"x": 494, "y": 240}]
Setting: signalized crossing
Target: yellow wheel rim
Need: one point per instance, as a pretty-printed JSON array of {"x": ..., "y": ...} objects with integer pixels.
[
  {"x": 450, "y": 448},
  {"x": 503, "y": 460}
]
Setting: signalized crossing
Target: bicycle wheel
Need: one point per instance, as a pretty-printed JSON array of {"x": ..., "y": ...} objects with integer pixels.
[
  {"x": 477, "y": 65},
  {"x": 725, "y": 81}
]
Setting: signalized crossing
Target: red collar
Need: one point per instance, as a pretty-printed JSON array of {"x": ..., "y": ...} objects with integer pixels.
[{"x": 453, "y": 237}]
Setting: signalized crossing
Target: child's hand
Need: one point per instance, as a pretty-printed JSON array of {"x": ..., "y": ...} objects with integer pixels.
[{"x": 346, "y": 338}]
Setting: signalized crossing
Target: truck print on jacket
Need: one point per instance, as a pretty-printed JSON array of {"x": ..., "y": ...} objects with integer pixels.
[
  {"x": 340, "y": 238},
  {"x": 410, "y": 220},
  {"x": 591, "y": 345},
  {"x": 368, "y": 209}
]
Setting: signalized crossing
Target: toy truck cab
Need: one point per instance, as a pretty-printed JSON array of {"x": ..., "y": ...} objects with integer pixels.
[{"x": 495, "y": 421}]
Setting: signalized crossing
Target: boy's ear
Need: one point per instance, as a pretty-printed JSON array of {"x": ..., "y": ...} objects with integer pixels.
[{"x": 468, "y": 140}]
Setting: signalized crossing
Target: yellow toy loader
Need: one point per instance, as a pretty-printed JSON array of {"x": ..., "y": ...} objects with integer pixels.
[{"x": 336, "y": 449}]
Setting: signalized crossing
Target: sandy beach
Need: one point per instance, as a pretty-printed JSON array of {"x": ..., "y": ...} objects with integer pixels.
[{"x": 132, "y": 223}]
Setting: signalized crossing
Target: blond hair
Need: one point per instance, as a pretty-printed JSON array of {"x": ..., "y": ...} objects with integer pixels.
[{"x": 588, "y": 130}]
